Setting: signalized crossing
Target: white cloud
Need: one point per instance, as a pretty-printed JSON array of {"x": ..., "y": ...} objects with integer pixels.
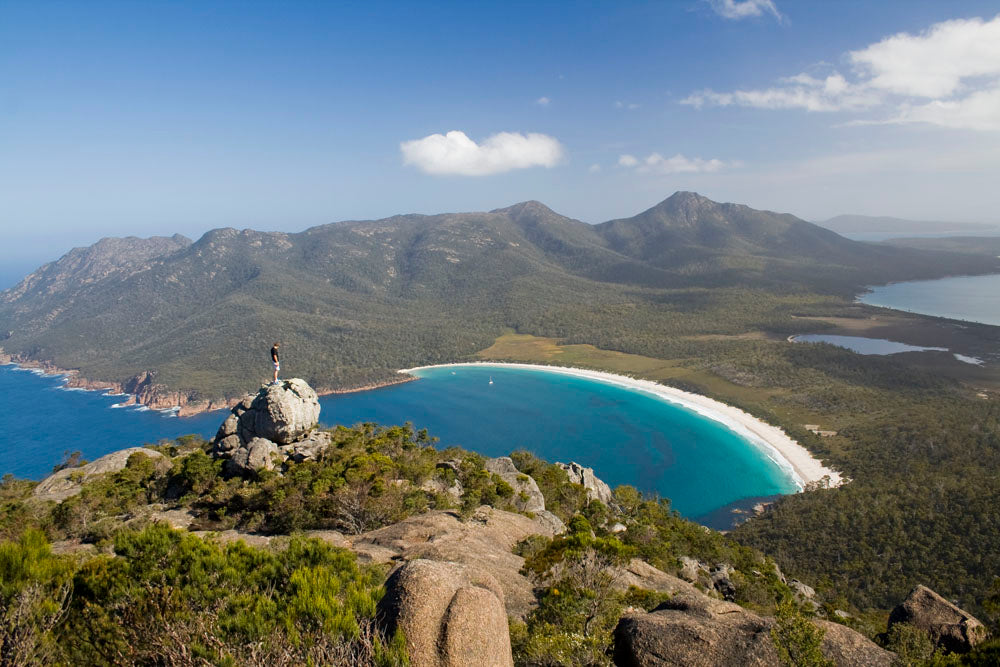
[
  {"x": 678, "y": 164},
  {"x": 626, "y": 105},
  {"x": 455, "y": 153},
  {"x": 978, "y": 111},
  {"x": 937, "y": 62},
  {"x": 543, "y": 101},
  {"x": 948, "y": 75},
  {"x": 594, "y": 168},
  {"x": 741, "y": 9},
  {"x": 833, "y": 93}
]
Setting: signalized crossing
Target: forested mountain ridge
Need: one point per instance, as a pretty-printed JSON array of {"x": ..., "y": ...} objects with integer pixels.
[{"x": 358, "y": 299}]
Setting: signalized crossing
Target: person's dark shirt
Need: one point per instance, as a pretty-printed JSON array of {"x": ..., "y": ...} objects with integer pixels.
[{"x": 274, "y": 354}]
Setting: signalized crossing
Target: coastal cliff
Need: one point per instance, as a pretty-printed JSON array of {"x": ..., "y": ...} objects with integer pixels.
[{"x": 141, "y": 389}]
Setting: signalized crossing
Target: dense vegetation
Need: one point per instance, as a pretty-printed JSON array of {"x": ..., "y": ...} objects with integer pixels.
[
  {"x": 704, "y": 293},
  {"x": 168, "y": 597},
  {"x": 355, "y": 301},
  {"x": 152, "y": 595}
]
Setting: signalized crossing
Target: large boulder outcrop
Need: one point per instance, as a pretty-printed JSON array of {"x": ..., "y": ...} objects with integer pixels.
[
  {"x": 451, "y": 614},
  {"x": 484, "y": 542},
  {"x": 529, "y": 496},
  {"x": 275, "y": 425},
  {"x": 949, "y": 627},
  {"x": 68, "y": 482},
  {"x": 585, "y": 477},
  {"x": 696, "y": 630}
]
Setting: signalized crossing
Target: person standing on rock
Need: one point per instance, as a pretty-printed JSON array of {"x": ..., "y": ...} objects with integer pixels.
[{"x": 274, "y": 360}]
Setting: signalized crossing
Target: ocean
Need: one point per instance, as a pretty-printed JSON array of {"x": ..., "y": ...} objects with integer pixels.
[
  {"x": 627, "y": 436},
  {"x": 970, "y": 298}
]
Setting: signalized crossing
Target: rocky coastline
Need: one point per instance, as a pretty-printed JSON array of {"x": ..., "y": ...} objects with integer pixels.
[{"x": 140, "y": 389}]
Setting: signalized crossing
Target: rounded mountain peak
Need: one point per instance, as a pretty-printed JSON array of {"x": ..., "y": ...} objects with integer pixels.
[{"x": 526, "y": 208}]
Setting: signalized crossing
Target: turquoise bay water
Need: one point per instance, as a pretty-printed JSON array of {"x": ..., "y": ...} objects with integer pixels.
[
  {"x": 628, "y": 437},
  {"x": 971, "y": 298}
]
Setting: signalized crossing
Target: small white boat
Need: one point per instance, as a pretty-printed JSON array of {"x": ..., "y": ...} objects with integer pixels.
[{"x": 491, "y": 379}]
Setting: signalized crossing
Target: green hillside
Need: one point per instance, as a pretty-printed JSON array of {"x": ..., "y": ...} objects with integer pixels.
[{"x": 354, "y": 301}]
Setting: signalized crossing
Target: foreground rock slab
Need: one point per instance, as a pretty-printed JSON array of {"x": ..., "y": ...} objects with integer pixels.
[
  {"x": 483, "y": 542},
  {"x": 452, "y": 615},
  {"x": 68, "y": 482},
  {"x": 698, "y": 631},
  {"x": 950, "y": 627}
]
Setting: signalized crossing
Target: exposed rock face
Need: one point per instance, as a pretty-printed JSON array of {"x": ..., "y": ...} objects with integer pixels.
[
  {"x": 523, "y": 485},
  {"x": 950, "y": 627},
  {"x": 692, "y": 570},
  {"x": 452, "y": 615},
  {"x": 277, "y": 423},
  {"x": 484, "y": 542},
  {"x": 802, "y": 591},
  {"x": 596, "y": 489},
  {"x": 721, "y": 581},
  {"x": 61, "y": 485},
  {"x": 285, "y": 411},
  {"x": 694, "y": 629}
]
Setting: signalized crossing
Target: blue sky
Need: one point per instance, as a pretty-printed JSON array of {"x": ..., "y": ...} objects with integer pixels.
[{"x": 162, "y": 117}]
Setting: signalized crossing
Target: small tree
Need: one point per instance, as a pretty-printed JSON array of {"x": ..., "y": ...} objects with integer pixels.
[{"x": 796, "y": 638}]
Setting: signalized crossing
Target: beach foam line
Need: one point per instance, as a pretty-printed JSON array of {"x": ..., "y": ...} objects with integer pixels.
[{"x": 777, "y": 445}]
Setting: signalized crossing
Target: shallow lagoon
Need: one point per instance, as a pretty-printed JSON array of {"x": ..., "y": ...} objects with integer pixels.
[{"x": 878, "y": 346}]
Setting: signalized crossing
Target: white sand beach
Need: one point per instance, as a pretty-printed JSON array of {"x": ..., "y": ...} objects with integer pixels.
[{"x": 773, "y": 441}]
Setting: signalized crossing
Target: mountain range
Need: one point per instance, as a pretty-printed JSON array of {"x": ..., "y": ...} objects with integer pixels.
[{"x": 353, "y": 301}]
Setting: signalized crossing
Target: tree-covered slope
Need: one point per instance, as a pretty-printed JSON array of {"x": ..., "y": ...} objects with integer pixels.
[{"x": 353, "y": 301}]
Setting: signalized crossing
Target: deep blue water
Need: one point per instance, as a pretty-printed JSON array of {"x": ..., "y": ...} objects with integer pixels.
[
  {"x": 971, "y": 298},
  {"x": 628, "y": 437},
  {"x": 41, "y": 421}
]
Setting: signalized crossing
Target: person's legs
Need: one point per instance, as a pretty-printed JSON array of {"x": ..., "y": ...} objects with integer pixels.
[{"x": 277, "y": 367}]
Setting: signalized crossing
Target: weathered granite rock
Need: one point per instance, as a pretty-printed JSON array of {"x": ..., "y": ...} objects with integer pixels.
[
  {"x": 524, "y": 486},
  {"x": 258, "y": 454},
  {"x": 722, "y": 582},
  {"x": 949, "y": 626},
  {"x": 596, "y": 489},
  {"x": 694, "y": 629},
  {"x": 452, "y": 615},
  {"x": 284, "y": 415},
  {"x": 285, "y": 411},
  {"x": 802, "y": 591},
  {"x": 692, "y": 570},
  {"x": 554, "y": 523},
  {"x": 61, "y": 485},
  {"x": 310, "y": 448},
  {"x": 484, "y": 542},
  {"x": 641, "y": 574}
]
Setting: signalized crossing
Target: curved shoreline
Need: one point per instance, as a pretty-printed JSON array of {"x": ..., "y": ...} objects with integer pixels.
[{"x": 771, "y": 440}]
